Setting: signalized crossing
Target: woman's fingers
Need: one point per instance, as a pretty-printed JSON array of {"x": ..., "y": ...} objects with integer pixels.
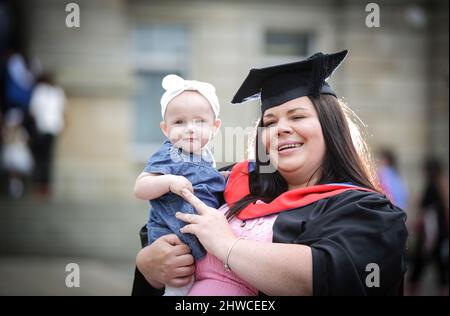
[
  {"x": 201, "y": 207},
  {"x": 188, "y": 218},
  {"x": 184, "y": 271},
  {"x": 179, "y": 282},
  {"x": 166, "y": 261},
  {"x": 182, "y": 249},
  {"x": 172, "y": 239},
  {"x": 189, "y": 229},
  {"x": 184, "y": 260}
]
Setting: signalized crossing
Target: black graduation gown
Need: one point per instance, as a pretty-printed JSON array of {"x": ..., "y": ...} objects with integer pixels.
[{"x": 347, "y": 233}]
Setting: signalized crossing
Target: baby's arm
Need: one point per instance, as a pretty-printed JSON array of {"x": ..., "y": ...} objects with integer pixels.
[{"x": 151, "y": 186}]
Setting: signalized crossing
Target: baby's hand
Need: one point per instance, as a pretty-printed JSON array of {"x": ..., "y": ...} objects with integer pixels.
[
  {"x": 225, "y": 174},
  {"x": 179, "y": 183}
]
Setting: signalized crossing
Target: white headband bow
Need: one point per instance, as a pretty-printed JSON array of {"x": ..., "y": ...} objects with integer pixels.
[{"x": 175, "y": 85}]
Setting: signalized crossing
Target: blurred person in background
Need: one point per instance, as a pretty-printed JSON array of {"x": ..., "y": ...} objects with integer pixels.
[
  {"x": 16, "y": 156},
  {"x": 19, "y": 81},
  {"x": 390, "y": 179},
  {"x": 47, "y": 107},
  {"x": 431, "y": 228},
  {"x": 3, "y": 175}
]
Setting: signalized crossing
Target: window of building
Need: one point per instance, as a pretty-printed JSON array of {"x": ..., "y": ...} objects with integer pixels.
[
  {"x": 157, "y": 50},
  {"x": 288, "y": 43}
]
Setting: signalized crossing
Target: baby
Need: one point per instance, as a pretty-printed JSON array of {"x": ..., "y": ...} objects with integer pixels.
[{"x": 190, "y": 112}]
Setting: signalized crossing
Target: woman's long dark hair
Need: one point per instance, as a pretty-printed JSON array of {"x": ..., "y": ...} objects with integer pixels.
[{"x": 347, "y": 157}]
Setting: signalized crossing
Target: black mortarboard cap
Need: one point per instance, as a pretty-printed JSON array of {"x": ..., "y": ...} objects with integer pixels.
[{"x": 279, "y": 84}]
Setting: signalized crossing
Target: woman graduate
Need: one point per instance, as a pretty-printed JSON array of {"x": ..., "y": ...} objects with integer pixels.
[{"x": 306, "y": 217}]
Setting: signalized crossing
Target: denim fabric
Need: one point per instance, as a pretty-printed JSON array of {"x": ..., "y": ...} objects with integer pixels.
[{"x": 207, "y": 182}]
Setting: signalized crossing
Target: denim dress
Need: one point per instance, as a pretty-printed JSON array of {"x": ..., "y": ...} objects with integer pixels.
[{"x": 207, "y": 182}]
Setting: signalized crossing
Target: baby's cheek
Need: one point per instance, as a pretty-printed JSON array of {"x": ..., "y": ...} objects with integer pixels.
[
  {"x": 174, "y": 134},
  {"x": 206, "y": 133},
  {"x": 205, "y": 138},
  {"x": 177, "y": 141}
]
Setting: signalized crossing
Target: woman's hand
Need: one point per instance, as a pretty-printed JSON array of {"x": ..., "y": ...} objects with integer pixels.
[
  {"x": 210, "y": 226},
  {"x": 166, "y": 261}
]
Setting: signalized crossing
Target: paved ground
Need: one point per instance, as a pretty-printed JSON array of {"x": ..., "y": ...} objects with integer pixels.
[
  {"x": 92, "y": 229},
  {"x": 37, "y": 241},
  {"x": 21, "y": 275},
  {"x": 47, "y": 276}
]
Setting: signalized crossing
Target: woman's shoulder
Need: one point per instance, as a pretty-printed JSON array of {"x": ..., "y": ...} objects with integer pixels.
[
  {"x": 363, "y": 195},
  {"x": 350, "y": 205},
  {"x": 363, "y": 201},
  {"x": 344, "y": 214}
]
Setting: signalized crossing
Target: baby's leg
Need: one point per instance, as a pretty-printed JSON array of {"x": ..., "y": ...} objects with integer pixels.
[
  {"x": 156, "y": 226},
  {"x": 178, "y": 204},
  {"x": 155, "y": 231}
]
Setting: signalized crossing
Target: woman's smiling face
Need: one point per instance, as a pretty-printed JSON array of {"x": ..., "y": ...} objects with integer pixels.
[{"x": 293, "y": 138}]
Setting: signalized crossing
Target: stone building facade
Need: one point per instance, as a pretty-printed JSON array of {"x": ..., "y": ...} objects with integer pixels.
[{"x": 395, "y": 78}]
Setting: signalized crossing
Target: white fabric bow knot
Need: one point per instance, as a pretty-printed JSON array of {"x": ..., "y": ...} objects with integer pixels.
[{"x": 175, "y": 85}]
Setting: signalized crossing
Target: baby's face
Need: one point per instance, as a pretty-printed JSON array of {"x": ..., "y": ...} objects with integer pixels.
[{"x": 189, "y": 122}]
